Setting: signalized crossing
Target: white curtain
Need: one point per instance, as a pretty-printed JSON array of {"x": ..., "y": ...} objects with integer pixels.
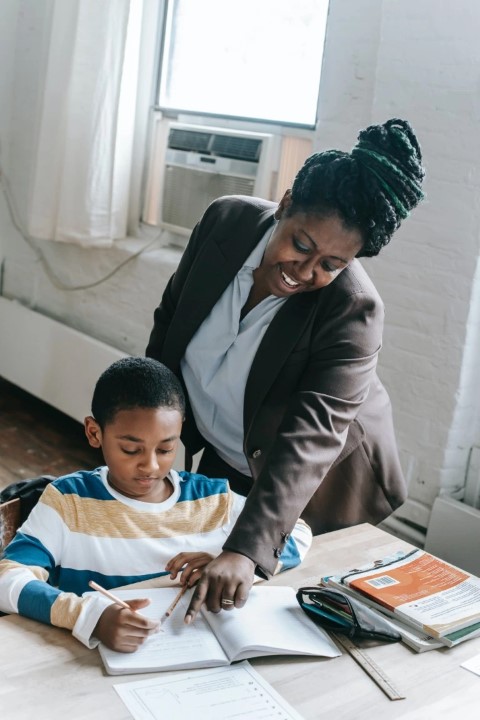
[{"x": 76, "y": 167}]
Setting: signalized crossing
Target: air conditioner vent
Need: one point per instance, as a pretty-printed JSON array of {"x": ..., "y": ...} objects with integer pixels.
[
  {"x": 192, "y": 165},
  {"x": 237, "y": 147},
  {"x": 180, "y": 139},
  {"x": 228, "y": 146}
]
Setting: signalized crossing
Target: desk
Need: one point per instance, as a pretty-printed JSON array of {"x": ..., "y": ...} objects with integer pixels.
[{"x": 46, "y": 673}]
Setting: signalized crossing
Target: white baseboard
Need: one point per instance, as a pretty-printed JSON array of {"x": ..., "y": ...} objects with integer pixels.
[{"x": 50, "y": 360}]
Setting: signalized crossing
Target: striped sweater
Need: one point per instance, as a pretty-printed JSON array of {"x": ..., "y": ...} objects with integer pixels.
[{"x": 82, "y": 529}]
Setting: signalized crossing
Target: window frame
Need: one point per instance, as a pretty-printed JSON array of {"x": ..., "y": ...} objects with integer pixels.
[{"x": 173, "y": 112}]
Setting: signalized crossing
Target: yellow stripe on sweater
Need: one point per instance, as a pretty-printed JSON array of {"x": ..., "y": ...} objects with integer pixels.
[
  {"x": 65, "y": 610},
  {"x": 101, "y": 518},
  {"x": 39, "y": 572}
]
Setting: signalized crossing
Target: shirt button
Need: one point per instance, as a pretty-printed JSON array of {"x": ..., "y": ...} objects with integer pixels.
[
  {"x": 277, "y": 552},
  {"x": 256, "y": 454}
]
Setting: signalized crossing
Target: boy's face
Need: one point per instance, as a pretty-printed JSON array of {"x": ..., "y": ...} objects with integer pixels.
[{"x": 139, "y": 448}]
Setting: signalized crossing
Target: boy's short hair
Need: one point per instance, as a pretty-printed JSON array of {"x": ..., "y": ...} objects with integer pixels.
[{"x": 135, "y": 382}]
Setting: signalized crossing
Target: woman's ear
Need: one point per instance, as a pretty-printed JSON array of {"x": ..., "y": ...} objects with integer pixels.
[
  {"x": 283, "y": 205},
  {"x": 93, "y": 432}
]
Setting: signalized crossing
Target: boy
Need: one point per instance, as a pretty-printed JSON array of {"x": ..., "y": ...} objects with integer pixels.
[{"x": 133, "y": 519}]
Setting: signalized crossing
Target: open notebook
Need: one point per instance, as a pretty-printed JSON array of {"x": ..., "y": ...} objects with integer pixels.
[{"x": 271, "y": 623}]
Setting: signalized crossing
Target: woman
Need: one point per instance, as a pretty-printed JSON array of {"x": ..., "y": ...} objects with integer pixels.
[{"x": 275, "y": 328}]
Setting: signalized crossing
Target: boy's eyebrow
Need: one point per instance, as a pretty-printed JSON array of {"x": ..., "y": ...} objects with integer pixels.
[{"x": 132, "y": 438}]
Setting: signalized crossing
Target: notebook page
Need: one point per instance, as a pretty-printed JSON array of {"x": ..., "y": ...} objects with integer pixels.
[
  {"x": 178, "y": 646},
  {"x": 271, "y": 622}
]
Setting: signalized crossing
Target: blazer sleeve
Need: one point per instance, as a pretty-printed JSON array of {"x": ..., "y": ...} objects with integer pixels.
[{"x": 332, "y": 385}]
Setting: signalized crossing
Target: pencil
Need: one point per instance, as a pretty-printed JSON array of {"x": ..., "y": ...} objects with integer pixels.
[
  {"x": 108, "y": 594},
  {"x": 174, "y": 604}
]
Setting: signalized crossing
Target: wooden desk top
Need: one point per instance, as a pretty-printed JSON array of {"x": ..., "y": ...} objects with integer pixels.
[{"x": 46, "y": 674}]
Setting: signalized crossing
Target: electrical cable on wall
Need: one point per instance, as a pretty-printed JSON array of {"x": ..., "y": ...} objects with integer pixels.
[{"x": 50, "y": 273}]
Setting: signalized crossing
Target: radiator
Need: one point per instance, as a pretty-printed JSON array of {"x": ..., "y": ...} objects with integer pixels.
[
  {"x": 51, "y": 360},
  {"x": 454, "y": 533}
]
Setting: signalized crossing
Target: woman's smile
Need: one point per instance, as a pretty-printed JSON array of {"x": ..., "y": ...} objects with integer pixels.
[
  {"x": 289, "y": 281},
  {"x": 305, "y": 252}
]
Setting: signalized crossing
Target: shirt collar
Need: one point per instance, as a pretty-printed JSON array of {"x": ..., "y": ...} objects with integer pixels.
[{"x": 255, "y": 257}]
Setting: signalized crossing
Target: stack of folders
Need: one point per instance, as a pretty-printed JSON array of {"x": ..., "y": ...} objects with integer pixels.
[{"x": 430, "y": 602}]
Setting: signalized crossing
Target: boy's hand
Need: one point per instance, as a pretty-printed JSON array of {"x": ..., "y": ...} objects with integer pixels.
[
  {"x": 191, "y": 562},
  {"x": 124, "y": 630},
  {"x": 224, "y": 584}
]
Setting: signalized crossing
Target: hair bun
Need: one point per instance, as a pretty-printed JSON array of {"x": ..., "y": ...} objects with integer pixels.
[{"x": 392, "y": 154}]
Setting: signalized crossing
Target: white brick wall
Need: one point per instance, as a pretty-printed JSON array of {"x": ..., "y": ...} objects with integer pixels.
[
  {"x": 418, "y": 59},
  {"x": 428, "y": 70}
]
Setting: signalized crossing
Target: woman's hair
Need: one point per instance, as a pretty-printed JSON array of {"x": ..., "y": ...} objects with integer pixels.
[
  {"x": 372, "y": 188},
  {"x": 135, "y": 382}
]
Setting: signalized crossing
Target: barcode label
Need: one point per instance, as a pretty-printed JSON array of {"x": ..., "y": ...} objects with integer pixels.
[{"x": 382, "y": 581}]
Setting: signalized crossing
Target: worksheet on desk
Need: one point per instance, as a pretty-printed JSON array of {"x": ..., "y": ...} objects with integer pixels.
[{"x": 233, "y": 692}]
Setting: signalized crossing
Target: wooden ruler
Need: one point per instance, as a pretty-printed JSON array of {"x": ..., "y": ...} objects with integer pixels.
[{"x": 370, "y": 667}]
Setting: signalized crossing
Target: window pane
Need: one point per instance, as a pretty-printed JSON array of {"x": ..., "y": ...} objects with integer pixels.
[{"x": 255, "y": 59}]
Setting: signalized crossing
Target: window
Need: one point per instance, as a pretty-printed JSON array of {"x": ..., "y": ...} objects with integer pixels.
[{"x": 245, "y": 59}]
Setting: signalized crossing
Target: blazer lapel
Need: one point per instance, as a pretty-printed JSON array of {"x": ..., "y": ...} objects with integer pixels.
[{"x": 213, "y": 270}]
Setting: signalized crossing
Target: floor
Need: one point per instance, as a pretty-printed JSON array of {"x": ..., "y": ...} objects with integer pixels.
[{"x": 36, "y": 439}]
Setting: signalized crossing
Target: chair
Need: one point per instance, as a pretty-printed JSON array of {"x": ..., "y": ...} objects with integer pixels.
[
  {"x": 16, "y": 502},
  {"x": 9, "y": 521}
]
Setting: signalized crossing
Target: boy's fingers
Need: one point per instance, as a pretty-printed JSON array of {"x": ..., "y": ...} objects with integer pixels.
[
  {"x": 171, "y": 565},
  {"x": 138, "y": 603},
  {"x": 138, "y": 631},
  {"x": 177, "y": 560},
  {"x": 187, "y": 572},
  {"x": 138, "y": 625},
  {"x": 175, "y": 568},
  {"x": 140, "y": 621},
  {"x": 175, "y": 565}
]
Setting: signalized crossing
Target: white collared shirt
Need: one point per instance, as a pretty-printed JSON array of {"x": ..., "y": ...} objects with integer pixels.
[{"x": 217, "y": 361}]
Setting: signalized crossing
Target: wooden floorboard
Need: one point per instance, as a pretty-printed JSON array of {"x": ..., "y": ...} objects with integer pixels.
[{"x": 36, "y": 439}]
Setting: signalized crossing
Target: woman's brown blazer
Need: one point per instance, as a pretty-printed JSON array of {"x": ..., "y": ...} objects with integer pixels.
[{"x": 318, "y": 431}]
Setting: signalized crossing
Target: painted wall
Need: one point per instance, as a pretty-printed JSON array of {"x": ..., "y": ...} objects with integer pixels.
[{"x": 418, "y": 59}]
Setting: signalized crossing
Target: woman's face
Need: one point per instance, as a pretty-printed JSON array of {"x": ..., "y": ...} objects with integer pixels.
[{"x": 306, "y": 252}]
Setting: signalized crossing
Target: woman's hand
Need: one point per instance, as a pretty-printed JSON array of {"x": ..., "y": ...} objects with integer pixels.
[
  {"x": 124, "y": 630},
  {"x": 191, "y": 562},
  {"x": 224, "y": 584}
]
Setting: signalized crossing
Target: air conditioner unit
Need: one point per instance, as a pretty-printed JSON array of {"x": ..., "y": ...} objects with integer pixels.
[{"x": 192, "y": 165}]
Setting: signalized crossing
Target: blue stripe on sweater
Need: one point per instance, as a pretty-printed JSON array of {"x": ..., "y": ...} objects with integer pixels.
[
  {"x": 194, "y": 486},
  {"x": 36, "y": 600},
  {"x": 84, "y": 483},
  {"x": 76, "y": 581},
  {"x": 28, "y": 550},
  {"x": 290, "y": 556}
]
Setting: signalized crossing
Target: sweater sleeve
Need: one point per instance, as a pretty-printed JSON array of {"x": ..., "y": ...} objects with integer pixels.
[{"x": 27, "y": 572}]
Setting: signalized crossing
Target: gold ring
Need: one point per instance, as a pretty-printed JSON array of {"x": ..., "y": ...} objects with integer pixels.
[{"x": 228, "y": 602}]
